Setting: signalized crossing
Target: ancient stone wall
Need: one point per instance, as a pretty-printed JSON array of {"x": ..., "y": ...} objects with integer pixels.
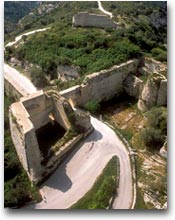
[
  {"x": 38, "y": 107},
  {"x": 84, "y": 19},
  {"x": 154, "y": 92},
  {"x": 32, "y": 113},
  {"x": 101, "y": 86}
]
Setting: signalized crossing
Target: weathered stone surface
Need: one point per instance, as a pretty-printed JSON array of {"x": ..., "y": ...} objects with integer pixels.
[
  {"x": 66, "y": 73},
  {"x": 84, "y": 19},
  {"x": 150, "y": 92},
  {"x": 101, "y": 86},
  {"x": 133, "y": 85},
  {"x": 152, "y": 66},
  {"x": 32, "y": 113},
  {"x": 162, "y": 93}
]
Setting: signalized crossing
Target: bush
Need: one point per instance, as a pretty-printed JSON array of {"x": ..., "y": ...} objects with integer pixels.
[
  {"x": 159, "y": 54},
  {"x": 38, "y": 77},
  {"x": 92, "y": 106},
  {"x": 155, "y": 133}
]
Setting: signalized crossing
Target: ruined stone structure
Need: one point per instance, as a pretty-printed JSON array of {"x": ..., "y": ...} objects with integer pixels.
[
  {"x": 101, "y": 86},
  {"x": 84, "y": 19},
  {"x": 34, "y": 112},
  {"x": 67, "y": 73},
  {"x": 154, "y": 92}
]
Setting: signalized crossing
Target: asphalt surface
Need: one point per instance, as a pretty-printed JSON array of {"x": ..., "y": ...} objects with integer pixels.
[
  {"x": 22, "y": 83},
  {"x": 77, "y": 174}
]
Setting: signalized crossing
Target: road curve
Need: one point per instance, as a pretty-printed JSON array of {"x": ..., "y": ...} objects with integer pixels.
[
  {"x": 103, "y": 10},
  {"x": 76, "y": 175}
]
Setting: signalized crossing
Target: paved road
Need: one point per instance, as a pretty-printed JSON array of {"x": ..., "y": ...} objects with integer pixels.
[
  {"x": 19, "y": 81},
  {"x": 79, "y": 171},
  {"x": 103, "y": 10},
  {"x": 18, "y": 38}
]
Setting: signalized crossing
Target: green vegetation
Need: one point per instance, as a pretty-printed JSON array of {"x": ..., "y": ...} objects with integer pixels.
[
  {"x": 142, "y": 31},
  {"x": 14, "y": 11},
  {"x": 90, "y": 52},
  {"x": 70, "y": 134},
  {"x": 140, "y": 204},
  {"x": 103, "y": 189},
  {"x": 155, "y": 133},
  {"x": 38, "y": 78},
  {"x": 17, "y": 187},
  {"x": 92, "y": 106}
]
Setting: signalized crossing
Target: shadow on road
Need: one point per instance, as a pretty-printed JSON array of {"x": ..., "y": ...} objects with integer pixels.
[
  {"x": 60, "y": 180},
  {"x": 95, "y": 136}
]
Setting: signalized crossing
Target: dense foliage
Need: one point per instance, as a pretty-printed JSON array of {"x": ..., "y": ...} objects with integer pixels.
[
  {"x": 103, "y": 189},
  {"x": 142, "y": 30},
  {"x": 92, "y": 106},
  {"x": 91, "y": 51},
  {"x": 17, "y": 187},
  {"x": 14, "y": 11},
  {"x": 154, "y": 135}
]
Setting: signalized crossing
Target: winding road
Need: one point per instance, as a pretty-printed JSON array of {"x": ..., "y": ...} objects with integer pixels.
[
  {"x": 77, "y": 174},
  {"x": 18, "y": 38},
  {"x": 103, "y": 10}
]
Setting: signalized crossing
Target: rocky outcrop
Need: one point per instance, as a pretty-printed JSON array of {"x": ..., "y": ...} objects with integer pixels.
[
  {"x": 84, "y": 19},
  {"x": 153, "y": 93},
  {"x": 162, "y": 94},
  {"x": 67, "y": 73},
  {"x": 133, "y": 85},
  {"x": 153, "y": 66}
]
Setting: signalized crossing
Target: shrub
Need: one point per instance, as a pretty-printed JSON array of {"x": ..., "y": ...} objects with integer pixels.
[
  {"x": 92, "y": 106},
  {"x": 38, "y": 77},
  {"x": 155, "y": 133},
  {"x": 159, "y": 54}
]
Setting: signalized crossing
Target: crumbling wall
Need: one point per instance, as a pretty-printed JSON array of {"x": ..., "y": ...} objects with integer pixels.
[
  {"x": 154, "y": 92},
  {"x": 33, "y": 155},
  {"x": 84, "y": 19},
  {"x": 38, "y": 107},
  {"x": 101, "y": 86},
  {"x": 25, "y": 142},
  {"x": 33, "y": 112}
]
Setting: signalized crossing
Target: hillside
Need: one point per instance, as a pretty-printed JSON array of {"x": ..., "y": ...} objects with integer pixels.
[
  {"x": 60, "y": 50},
  {"x": 14, "y": 11},
  {"x": 141, "y": 30}
]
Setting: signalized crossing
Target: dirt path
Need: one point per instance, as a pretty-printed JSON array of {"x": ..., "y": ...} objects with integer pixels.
[
  {"x": 18, "y": 38},
  {"x": 79, "y": 171}
]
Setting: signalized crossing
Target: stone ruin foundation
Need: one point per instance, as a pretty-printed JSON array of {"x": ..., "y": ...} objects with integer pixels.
[{"x": 44, "y": 127}]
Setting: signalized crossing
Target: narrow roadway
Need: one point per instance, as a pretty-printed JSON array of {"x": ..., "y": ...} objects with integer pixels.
[
  {"x": 19, "y": 81},
  {"x": 77, "y": 174}
]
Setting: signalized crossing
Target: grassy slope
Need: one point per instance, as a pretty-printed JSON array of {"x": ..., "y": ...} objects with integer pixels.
[{"x": 103, "y": 189}]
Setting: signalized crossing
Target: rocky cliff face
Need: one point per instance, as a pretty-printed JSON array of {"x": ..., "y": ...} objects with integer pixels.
[
  {"x": 153, "y": 93},
  {"x": 133, "y": 85}
]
